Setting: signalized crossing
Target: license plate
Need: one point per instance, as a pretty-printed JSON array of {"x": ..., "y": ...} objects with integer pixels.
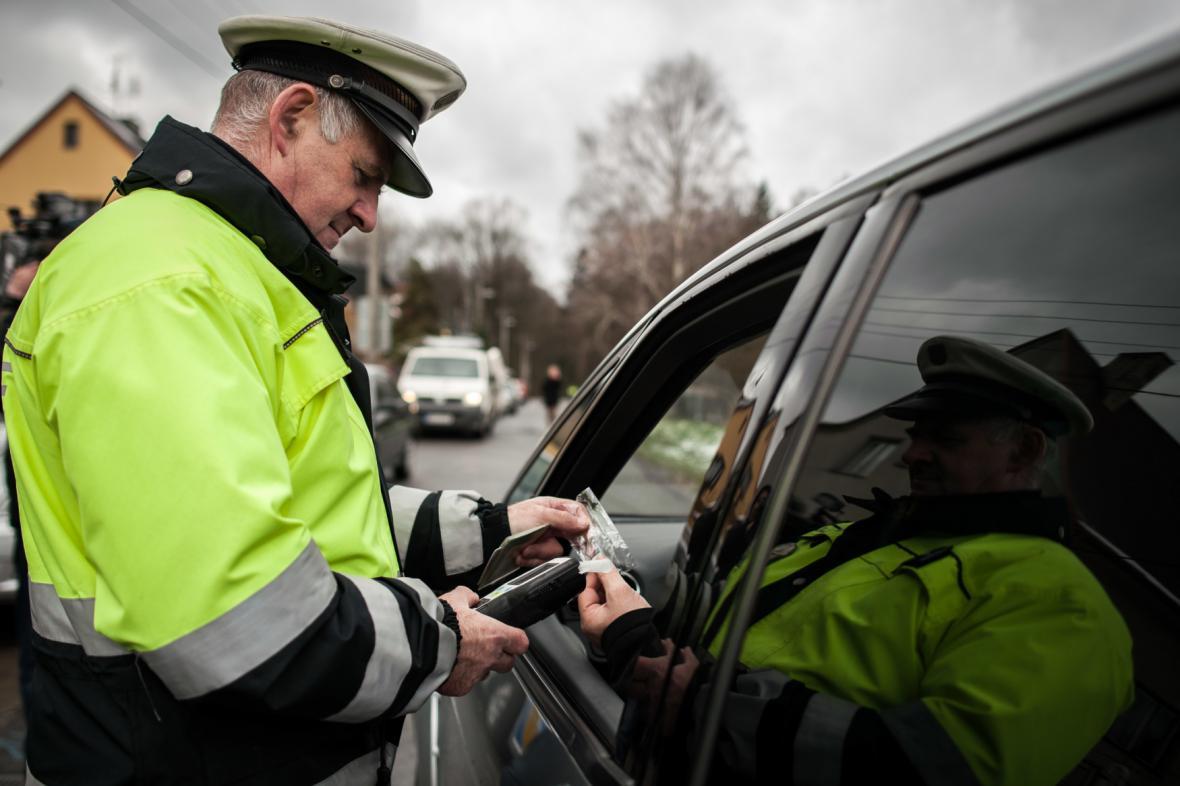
[{"x": 438, "y": 419}]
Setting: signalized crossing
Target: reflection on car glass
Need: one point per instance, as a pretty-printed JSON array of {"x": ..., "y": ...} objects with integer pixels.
[{"x": 1080, "y": 282}]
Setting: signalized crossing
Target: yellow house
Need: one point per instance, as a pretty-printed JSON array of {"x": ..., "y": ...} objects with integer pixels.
[{"x": 74, "y": 148}]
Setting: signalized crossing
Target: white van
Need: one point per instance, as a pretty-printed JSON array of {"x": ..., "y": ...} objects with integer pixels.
[{"x": 453, "y": 388}]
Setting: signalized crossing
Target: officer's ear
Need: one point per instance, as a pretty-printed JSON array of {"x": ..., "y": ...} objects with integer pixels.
[
  {"x": 291, "y": 114},
  {"x": 1029, "y": 448}
]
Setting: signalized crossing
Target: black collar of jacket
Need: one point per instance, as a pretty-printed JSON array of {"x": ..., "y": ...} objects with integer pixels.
[
  {"x": 1015, "y": 512},
  {"x": 200, "y": 166}
]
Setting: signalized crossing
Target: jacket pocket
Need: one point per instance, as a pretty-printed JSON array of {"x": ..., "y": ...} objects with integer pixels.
[{"x": 310, "y": 364}]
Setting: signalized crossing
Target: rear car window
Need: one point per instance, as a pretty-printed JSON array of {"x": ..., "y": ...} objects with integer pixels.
[{"x": 444, "y": 367}]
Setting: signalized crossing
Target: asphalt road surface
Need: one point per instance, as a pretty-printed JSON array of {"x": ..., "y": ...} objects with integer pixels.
[{"x": 487, "y": 466}]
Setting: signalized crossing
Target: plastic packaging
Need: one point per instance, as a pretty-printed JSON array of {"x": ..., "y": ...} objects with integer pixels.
[
  {"x": 595, "y": 566},
  {"x": 602, "y": 539}
]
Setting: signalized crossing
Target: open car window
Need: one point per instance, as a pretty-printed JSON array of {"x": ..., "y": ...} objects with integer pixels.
[{"x": 663, "y": 475}]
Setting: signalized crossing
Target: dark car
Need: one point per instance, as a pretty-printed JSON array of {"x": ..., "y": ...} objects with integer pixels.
[
  {"x": 746, "y": 406},
  {"x": 392, "y": 423}
]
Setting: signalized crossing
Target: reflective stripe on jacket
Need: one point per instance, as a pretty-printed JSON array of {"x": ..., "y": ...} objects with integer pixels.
[{"x": 994, "y": 658}]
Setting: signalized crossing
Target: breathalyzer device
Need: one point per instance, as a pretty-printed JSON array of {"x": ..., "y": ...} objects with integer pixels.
[{"x": 535, "y": 594}]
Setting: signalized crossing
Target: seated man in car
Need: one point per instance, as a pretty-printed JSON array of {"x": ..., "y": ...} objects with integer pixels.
[{"x": 951, "y": 637}]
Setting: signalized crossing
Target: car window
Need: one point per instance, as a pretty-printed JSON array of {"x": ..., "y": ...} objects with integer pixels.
[
  {"x": 1068, "y": 260},
  {"x": 530, "y": 479},
  {"x": 664, "y": 474},
  {"x": 568, "y": 419},
  {"x": 444, "y": 367}
]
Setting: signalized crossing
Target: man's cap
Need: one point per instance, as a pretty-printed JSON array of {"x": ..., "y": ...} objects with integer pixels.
[
  {"x": 396, "y": 84},
  {"x": 973, "y": 379}
]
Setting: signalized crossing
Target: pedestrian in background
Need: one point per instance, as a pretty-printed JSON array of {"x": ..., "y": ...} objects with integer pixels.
[
  {"x": 216, "y": 586},
  {"x": 551, "y": 390}
]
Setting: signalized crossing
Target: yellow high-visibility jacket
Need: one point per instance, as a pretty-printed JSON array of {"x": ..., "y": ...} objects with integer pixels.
[
  {"x": 991, "y": 658},
  {"x": 204, "y": 517}
]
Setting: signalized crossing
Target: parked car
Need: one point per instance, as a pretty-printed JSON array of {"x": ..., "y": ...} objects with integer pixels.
[
  {"x": 452, "y": 387},
  {"x": 513, "y": 392},
  {"x": 392, "y": 423},
  {"x": 505, "y": 401},
  {"x": 747, "y": 403}
]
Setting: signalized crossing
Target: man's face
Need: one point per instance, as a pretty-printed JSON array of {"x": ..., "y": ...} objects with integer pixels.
[
  {"x": 334, "y": 187},
  {"x": 955, "y": 456}
]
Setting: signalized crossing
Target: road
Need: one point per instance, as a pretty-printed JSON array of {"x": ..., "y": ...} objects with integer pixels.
[{"x": 487, "y": 466}]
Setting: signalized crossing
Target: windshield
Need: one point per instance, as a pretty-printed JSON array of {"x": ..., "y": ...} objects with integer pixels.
[{"x": 445, "y": 367}]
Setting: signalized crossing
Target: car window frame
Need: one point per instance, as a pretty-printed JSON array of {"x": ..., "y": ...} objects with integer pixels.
[{"x": 591, "y": 744}]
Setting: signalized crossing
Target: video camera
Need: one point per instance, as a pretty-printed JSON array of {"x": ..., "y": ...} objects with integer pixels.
[{"x": 33, "y": 237}]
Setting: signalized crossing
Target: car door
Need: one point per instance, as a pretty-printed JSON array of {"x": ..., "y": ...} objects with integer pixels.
[
  {"x": 644, "y": 434},
  {"x": 1055, "y": 240}
]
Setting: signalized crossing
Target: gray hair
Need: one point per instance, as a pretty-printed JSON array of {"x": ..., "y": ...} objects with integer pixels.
[
  {"x": 245, "y": 106},
  {"x": 1006, "y": 429}
]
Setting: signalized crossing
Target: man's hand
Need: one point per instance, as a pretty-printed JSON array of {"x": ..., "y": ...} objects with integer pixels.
[
  {"x": 566, "y": 519},
  {"x": 648, "y": 682},
  {"x": 606, "y": 598},
  {"x": 486, "y": 645}
]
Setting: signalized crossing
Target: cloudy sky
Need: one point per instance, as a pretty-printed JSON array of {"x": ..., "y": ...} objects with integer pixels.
[{"x": 824, "y": 88}]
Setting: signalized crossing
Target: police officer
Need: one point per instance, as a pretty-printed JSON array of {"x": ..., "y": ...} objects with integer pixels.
[
  {"x": 213, "y": 555},
  {"x": 949, "y": 638}
]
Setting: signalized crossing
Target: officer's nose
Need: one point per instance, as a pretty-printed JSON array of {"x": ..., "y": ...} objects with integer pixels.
[
  {"x": 917, "y": 451},
  {"x": 364, "y": 213}
]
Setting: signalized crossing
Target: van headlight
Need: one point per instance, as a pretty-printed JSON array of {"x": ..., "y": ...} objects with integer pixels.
[
  {"x": 409, "y": 396},
  {"x": 473, "y": 399}
]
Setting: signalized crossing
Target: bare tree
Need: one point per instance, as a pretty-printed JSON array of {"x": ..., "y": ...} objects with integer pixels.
[
  {"x": 659, "y": 195},
  {"x": 664, "y": 156},
  {"x": 476, "y": 274}
]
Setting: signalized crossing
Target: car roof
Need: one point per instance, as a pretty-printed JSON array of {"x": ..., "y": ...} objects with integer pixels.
[{"x": 449, "y": 352}]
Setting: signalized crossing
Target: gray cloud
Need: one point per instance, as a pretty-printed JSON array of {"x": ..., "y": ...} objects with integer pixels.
[{"x": 825, "y": 88}]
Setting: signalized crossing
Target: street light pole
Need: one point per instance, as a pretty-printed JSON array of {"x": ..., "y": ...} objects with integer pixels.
[
  {"x": 482, "y": 293},
  {"x": 527, "y": 345},
  {"x": 506, "y": 323}
]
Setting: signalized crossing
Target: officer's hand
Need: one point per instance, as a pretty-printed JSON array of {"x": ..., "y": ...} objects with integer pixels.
[
  {"x": 606, "y": 598},
  {"x": 487, "y": 644},
  {"x": 650, "y": 683},
  {"x": 566, "y": 519}
]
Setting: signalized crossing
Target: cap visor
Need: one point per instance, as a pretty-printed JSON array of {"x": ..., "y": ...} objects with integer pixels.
[
  {"x": 924, "y": 402},
  {"x": 406, "y": 174}
]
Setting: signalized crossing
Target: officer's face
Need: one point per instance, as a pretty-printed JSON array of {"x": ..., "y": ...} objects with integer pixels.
[
  {"x": 334, "y": 187},
  {"x": 954, "y": 456}
]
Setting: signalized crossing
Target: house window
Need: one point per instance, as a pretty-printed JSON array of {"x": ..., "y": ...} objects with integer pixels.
[{"x": 70, "y": 135}]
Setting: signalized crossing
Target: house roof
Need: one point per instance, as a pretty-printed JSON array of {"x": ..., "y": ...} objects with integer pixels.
[{"x": 122, "y": 133}]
